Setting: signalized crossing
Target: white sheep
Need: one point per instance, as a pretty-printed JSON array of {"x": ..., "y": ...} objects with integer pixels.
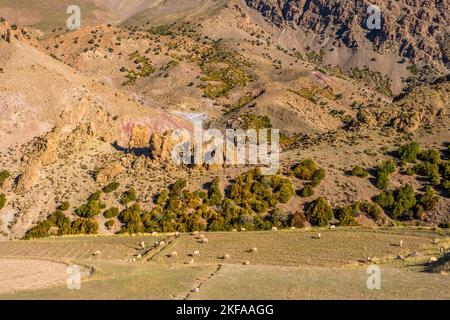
[
  {"x": 433, "y": 259},
  {"x": 139, "y": 256},
  {"x": 154, "y": 233},
  {"x": 205, "y": 240},
  {"x": 195, "y": 233},
  {"x": 292, "y": 228},
  {"x": 196, "y": 253},
  {"x": 333, "y": 227},
  {"x": 162, "y": 244},
  {"x": 254, "y": 249},
  {"x": 143, "y": 245},
  {"x": 177, "y": 234},
  {"x": 319, "y": 236},
  {"x": 234, "y": 230},
  {"x": 274, "y": 229},
  {"x": 401, "y": 243},
  {"x": 246, "y": 263},
  {"x": 191, "y": 261},
  {"x": 196, "y": 290},
  {"x": 226, "y": 256},
  {"x": 243, "y": 229},
  {"x": 96, "y": 253},
  {"x": 173, "y": 254}
]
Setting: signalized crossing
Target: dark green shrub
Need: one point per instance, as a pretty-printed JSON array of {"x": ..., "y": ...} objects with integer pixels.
[
  {"x": 430, "y": 156},
  {"x": 427, "y": 202},
  {"x": 383, "y": 172},
  {"x": 64, "y": 206},
  {"x": 319, "y": 212},
  {"x": 84, "y": 226},
  {"x": 346, "y": 216},
  {"x": 162, "y": 198},
  {"x": 113, "y": 186},
  {"x": 318, "y": 176},
  {"x": 305, "y": 169},
  {"x": 92, "y": 207},
  {"x": 405, "y": 201},
  {"x": 2, "y": 200},
  {"x": 430, "y": 170},
  {"x": 110, "y": 223},
  {"x": 409, "y": 152},
  {"x": 357, "y": 171},
  {"x": 214, "y": 195},
  {"x": 111, "y": 213},
  {"x": 4, "y": 175},
  {"x": 41, "y": 230},
  {"x": 385, "y": 199},
  {"x": 128, "y": 196},
  {"x": 177, "y": 187},
  {"x": 307, "y": 191},
  {"x": 298, "y": 220}
]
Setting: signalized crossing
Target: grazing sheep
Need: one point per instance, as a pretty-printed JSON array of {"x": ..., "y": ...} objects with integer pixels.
[
  {"x": 293, "y": 228},
  {"x": 196, "y": 290},
  {"x": 441, "y": 250},
  {"x": 400, "y": 257},
  {"x": 139, "y": 256},
  {"x": 134, "y": 260},
  {"x": 173, "y": 254},
  {"x": 319, "y": 236},
  {"x": 142, "y": 245},
  {"x": 190, "y": 261},
  {"x": 333, "y": 227},
  {"x": 195, "y": 233},
  {"x": 96, "y": 253},
  {"x": 243, "y": 229},
  {"x": 401, "y": 243},
  {"x": 369, "y": 258},
  {"x": 435, "y": 241},
  {"x": 274, "y": 229},
  {"x": 154, "y": 233},
  {"x": 156, "y": 244},
  {"x": 226, "y": 256},
  {"x": 234, "y": 230},
  {"x": 196, "y": 253},
  {"x": 254, "y": 249},
  {"x": 246, "y": 263},
  {"x": 433, "y": 259},
  {"x": 177, "y": 234},
  {"x": 201, "y": 236},
  {"x": 162, "y": 244},
  {"x": 205, "y": 240}
]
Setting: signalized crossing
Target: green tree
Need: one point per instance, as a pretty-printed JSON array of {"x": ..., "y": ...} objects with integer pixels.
[{"x": 319, "y": 212}]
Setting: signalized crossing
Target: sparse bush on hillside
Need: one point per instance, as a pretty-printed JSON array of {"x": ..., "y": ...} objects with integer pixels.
[
  {"x": 111, "y": 213},
  {"x": 2, "y": 200},
  {"x": 92, "y": 207},
  {"x": 384, "y": 170},
  {"x": 113, "y": 186},
  {"x": 385, "y": 199},
  {"x": 214, "y": 195},
  {"x": 110, "y": 223},
  {"x": 307, "y": 191},
  {"x": 84, "y": 226},
  {"x": 431, "y": 156},
  {"x": 4, "y": 175},
  {"x": 128, "y": 196},
  {"x": 426, "y": 202},
  {"x": 319, "y": 212},
  {"x": 298, "y": 220},
  {"x": 357, "y": 171},
  {"x": 64, "y": 206},
  {"x": 409, "y": 152},
  {"x": 346, "y": 215}
]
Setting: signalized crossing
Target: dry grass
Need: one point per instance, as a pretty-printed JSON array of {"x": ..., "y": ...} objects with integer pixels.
[{"x": 298, "y": 247}]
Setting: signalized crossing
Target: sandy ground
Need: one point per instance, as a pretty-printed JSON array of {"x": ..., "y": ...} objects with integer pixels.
[{"x": 29, "y": 274}]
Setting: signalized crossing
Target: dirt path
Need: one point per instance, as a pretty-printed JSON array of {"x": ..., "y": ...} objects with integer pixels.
[{"x": 30, "y": 274}]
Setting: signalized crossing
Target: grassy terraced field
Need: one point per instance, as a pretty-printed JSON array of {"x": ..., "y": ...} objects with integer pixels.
[{"x": 291, "y": 264}]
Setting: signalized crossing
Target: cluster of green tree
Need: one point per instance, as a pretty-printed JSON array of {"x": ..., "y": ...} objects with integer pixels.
[
  {"x": 2, "y": 200},
  {"x": 347, "y": 214},
  {"x": 404, "y": 204},
  {"x": 427, "y": 163},
  {"x": 308, "y": 170},
  {"x": 384, "y": 170},
  {"x": 250, "y": 203},
  {"x": 59, "y": 224}
]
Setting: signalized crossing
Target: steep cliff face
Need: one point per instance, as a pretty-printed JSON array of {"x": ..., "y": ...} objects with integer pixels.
[{"x": 414, "y": 29}]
